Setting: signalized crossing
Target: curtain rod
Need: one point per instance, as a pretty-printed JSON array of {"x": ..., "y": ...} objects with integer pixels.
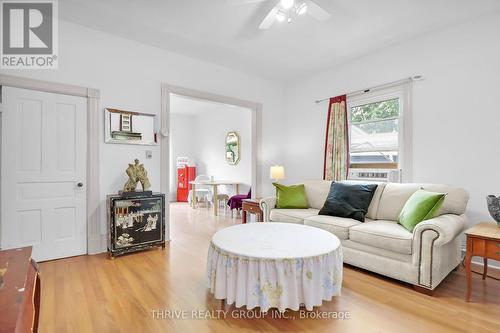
[{"x": 380, "y": 86}]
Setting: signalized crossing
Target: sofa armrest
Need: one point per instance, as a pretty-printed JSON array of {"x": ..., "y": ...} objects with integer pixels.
[
  {"x": 436, "y": 250},
  {"x": 267, "y": 204},
  {"x": 446, "y": 227}
]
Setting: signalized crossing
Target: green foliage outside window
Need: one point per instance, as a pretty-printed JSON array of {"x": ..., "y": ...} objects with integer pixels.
[{"x": 377, "y": 112}]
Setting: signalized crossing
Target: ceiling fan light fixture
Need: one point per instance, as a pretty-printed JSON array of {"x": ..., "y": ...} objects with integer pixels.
[
  {"x": 287, "y": 4},
  {"x": 280, "y": 16},
  {"x": 302, "y": 9}
]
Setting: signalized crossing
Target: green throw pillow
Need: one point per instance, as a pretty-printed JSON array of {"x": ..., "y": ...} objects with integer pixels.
[
  {"x": 421, "y": 206},
  {"x": 293, "y": 196}
]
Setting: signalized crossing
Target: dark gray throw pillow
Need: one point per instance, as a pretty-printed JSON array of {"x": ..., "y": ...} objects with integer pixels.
[{"x": 348, "y": 200}]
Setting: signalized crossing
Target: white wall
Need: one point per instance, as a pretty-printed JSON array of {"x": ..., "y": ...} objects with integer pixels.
[
  {"x": 211, "y": 129},
  {"x": 129, "y": 76},
  {"x": 205, "y": 132},
  {"x": 182, "y": 144},
  {"x": 456, "y": 116}
]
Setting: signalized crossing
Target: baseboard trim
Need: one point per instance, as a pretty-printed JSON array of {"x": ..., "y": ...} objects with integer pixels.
[
  {"x": 104, "y": 243},
  {"x": 93, "y": 245}
]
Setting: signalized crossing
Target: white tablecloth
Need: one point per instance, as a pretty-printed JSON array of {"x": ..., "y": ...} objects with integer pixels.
[{"x": 274, "y": 265}]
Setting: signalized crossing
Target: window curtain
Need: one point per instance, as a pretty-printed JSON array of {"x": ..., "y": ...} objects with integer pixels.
[{"x": 336, "y": 165}]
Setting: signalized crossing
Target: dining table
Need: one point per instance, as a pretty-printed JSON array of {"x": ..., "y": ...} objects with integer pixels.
[{"x": 214, "y": 184}]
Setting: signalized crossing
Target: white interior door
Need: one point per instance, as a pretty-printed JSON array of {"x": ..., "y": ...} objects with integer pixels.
[{"x": 44, "y": 153}]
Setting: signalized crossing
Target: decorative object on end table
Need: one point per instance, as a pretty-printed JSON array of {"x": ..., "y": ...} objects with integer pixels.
[
  {"x": 136, "y": 173},
  {"x": 135, "y": 222},
  {"x": 494, "y": 207}
]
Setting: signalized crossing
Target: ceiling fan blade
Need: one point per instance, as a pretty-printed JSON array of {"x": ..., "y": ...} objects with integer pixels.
[
  {"x": 269, "y": 20},
  {"x": 316, "y": 11},
  {"x": 242, "y": 2}
]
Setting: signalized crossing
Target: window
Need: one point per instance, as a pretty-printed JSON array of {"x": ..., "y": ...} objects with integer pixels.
[{"x": 374, "y": 128}]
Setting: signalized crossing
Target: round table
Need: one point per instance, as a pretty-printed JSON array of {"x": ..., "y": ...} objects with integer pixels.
[{"x": 274, "y": 265}]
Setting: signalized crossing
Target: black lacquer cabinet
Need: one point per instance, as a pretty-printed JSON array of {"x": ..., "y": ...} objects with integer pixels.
[{"x": 135, "y": 222}]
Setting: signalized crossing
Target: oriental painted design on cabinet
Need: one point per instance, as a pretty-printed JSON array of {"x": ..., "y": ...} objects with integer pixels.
[{"x": 135, "y": 223}]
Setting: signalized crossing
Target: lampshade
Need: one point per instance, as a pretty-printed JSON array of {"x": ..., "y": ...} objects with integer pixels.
[{"x": 277, "y": 172}]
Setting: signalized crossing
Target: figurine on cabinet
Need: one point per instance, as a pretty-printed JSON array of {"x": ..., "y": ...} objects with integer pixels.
[{"x": 136, "y": 173}]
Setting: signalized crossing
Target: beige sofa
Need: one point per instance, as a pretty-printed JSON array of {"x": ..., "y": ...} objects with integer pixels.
[{"x": 423, "y": 257}]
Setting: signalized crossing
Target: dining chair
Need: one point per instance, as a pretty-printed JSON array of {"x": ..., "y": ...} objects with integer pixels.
[
  {"x": 202, "y": 192},
  {"x": 222, "y": 199},
  {"x": 236, "y": 201}
]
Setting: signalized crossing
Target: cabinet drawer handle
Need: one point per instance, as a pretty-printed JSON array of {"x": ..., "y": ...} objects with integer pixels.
[
  {"x": 498, "y": 244},
  {"x": 498, "y": 253}
]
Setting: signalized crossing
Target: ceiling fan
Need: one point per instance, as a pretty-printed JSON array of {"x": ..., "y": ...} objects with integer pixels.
[{"x": 287, "y": 11}]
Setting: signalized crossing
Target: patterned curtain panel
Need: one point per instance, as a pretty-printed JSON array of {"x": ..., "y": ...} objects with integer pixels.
[{"x": 336, "y": 164}]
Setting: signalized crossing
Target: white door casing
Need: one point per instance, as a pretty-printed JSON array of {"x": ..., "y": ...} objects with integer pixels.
[{"x": 44, "y": 158}]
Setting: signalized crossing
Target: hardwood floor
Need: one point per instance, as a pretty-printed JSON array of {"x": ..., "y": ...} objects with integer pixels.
[{"x": 96, "y": 294}]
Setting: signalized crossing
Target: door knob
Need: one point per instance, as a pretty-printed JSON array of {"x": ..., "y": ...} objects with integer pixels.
[{"x": 79, "y": 184}]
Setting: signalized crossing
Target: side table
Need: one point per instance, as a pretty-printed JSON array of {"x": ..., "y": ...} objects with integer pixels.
[
  {"x": 251, "y": 206},
  {"x": 483, "y": 240}
]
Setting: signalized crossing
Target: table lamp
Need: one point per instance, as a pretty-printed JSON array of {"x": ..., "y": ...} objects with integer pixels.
[{"x": 277, "y": 172}]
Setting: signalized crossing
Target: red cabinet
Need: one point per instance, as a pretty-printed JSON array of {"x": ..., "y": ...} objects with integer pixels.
[{"x": 185, "y": 174}]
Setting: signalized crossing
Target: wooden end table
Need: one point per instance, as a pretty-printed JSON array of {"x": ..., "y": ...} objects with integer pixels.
[
  {"x": 483, "y": 240},
  {"x": 251, "y": 206}
]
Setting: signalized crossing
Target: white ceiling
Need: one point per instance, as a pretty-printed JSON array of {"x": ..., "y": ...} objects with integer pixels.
[{"x": 215, "y": 31}]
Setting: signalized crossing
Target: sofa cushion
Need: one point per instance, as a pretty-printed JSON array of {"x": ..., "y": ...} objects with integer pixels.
[
  {"x": 316, "y": 192},
  {"x": 395, "y": 196},
  {"x": 291, "y": 197},
  {"x": 292, "y": 215},
  {"x": 373, "y": 208},
  {"x": 348, "y": 200},
  {"x": 387, "y": 235},
  {"x": 339, "y": 226},
  {"x": 347, "y": 243},
  {"x": 422, "y": 205}
]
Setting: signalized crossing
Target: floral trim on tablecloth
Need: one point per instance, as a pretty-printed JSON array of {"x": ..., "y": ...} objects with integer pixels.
[{"x": 274, "y": 283}]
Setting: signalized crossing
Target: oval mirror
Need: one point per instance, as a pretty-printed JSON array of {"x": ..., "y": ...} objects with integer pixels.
[{"x": 232, "y": 148}]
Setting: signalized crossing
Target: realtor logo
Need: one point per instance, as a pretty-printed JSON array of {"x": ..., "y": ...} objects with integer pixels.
[{"x": 29, "y": 34}]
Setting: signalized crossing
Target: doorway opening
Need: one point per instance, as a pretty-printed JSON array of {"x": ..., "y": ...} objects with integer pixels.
[{"x": 212, "y": 154}]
